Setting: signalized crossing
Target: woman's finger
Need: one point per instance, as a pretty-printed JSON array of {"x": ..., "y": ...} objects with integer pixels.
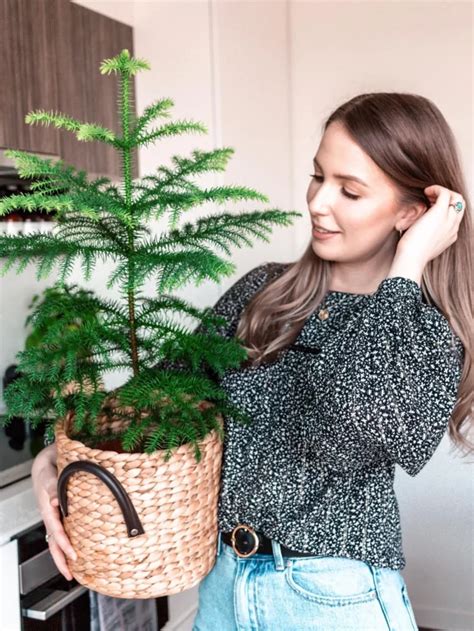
[
  {"x": 455, "y": 200},
  {"x": 59, "y": 546},
  {"x": 436, "y": 229},
  {"x": 62, "y": 541},
  {"x": 59, "y": 559},
  {"x": 439, "y": 195},
  {"x": 54, "y": 527},
  {"x": 45, "y": 479},
  {"x": 47, "y": 499},
  {"x": 443, "y": 197}
]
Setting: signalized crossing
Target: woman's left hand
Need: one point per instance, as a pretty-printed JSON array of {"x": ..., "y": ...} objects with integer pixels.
[{"x": 436, "y": 229}]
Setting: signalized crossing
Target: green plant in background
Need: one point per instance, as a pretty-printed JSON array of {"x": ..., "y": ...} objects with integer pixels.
[
  {"x": 54, "y": 315},
  {"x": 98, "y": 220},
  {"x": 50, "y": 309}
]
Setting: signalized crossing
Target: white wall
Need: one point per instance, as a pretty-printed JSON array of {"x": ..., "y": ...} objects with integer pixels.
[
  {"x": 262, "y": 76},
  {"x": 121, "y": 10}
]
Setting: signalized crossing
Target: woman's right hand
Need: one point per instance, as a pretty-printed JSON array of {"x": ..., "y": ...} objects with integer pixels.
[{"x": 45, "y": 480}]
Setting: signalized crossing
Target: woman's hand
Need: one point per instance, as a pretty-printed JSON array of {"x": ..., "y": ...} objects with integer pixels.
[
  {"x": 436, "y": 229},
  {"x": 45, "y": 480}
]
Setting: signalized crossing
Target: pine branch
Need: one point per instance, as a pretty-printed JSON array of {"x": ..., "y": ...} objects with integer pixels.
[
  {"x": 201, "y": 162},
  {"x": 171, "y": 270},
  {"x": 174, "y": 202},
  {"x": 124, "y": 65},
  {"x": 47, "y": 249},
  {"x": 167, "y": 393},
  {"x": 220, "y": 230},
  {"x": 151, "y": 308},
  {"x": 86, "y": 132},
  {"x": 171, "y": 129},
  {"x": 107, "y": 230},
  {"x": 81, "y": 195},
  {"x": 30, "y": 165},
  {"x": 31, "y": 202},
  {"x": 204, "y": 350},
  {"x": 157, "y": 109}
]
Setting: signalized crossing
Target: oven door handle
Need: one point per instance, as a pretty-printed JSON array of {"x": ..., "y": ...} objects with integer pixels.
[{"x": 54, "y": 602}]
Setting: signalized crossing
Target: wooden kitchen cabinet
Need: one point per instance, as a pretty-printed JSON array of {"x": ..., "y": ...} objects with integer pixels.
[
  {"x": 51, "y": 52},
  {"x": 28, "y": 45}
]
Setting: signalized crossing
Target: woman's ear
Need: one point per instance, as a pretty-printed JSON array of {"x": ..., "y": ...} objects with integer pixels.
[{"x": 408, "y": 216}]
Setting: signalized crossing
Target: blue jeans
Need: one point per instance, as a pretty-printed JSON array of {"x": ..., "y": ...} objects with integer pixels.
[{"x": 269, "y": 592}]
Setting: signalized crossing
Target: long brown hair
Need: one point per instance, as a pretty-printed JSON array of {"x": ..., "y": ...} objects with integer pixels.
[{"x": 409, "y": 139}]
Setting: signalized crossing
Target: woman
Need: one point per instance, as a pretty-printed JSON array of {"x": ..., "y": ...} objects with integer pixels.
[{"x": 357, "y": 362}]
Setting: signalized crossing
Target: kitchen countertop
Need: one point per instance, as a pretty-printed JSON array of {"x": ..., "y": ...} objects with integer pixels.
[{"x": 18, "y": 510}]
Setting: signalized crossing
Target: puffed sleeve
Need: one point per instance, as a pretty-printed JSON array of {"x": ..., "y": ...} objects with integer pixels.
[{"x": 402, "y": 376}]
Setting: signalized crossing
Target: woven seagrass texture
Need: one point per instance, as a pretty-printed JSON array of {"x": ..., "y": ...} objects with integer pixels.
[{"x": 176, "y": 502}]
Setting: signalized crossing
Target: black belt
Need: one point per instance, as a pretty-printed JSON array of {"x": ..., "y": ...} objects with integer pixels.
[{"x": 246, "y": 542}]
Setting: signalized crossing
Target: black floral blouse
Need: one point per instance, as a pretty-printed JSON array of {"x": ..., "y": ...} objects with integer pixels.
[{"x": 371, "y": 386}]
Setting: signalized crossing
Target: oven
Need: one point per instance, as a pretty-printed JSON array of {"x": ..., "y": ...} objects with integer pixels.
[{"x": 47, "y": 599}]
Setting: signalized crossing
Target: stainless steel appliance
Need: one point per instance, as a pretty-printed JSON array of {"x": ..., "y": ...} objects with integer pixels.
[{"x": 48, "y": 600}]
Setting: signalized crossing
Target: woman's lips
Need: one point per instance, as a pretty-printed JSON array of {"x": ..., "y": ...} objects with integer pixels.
[{"x": 323, "y": 235}]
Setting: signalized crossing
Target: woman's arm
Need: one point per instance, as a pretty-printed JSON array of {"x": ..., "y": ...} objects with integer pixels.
[
  {"x": 391, "y": 375},
  {"x": 45, "y": 479},
  {"x": 48, "y": 454},
  {"x": 406, "y": 265}
]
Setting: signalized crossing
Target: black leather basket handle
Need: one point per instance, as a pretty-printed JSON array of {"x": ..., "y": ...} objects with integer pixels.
[{"x": 132, "y": 521}]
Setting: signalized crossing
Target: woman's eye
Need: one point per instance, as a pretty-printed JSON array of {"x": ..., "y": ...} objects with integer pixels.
[{"x": 319, "y": 178}]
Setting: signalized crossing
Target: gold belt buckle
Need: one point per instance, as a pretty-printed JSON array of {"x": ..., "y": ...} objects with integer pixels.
[{"x": 252, "y": 531}]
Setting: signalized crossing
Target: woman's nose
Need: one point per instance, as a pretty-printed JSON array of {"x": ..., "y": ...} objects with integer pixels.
[
  {"x": 319, "y": 201},
  {"x": 318, "y": 208}
]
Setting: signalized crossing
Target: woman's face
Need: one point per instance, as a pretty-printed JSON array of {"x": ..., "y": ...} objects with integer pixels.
[{"x": 367, "y": 225}]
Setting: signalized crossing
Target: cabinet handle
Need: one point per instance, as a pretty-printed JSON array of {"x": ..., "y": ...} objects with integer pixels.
[
  {"x": 52, "y": 603},
  {"x": 36, "y": 571}
]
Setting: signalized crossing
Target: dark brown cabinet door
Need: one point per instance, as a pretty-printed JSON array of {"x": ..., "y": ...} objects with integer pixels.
[
  {"x": 51, "y": 53},
  {"x": 86, "y": 38},
  {"x": 28, "y": 47}
]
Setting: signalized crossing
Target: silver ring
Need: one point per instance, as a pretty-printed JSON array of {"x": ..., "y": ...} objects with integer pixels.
[
  {"x": 48, "y": 536},
  {"x": 458, "y": 206}
]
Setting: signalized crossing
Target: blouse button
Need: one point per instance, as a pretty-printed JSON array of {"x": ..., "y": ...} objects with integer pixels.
[{"x": 323, "y": 314}]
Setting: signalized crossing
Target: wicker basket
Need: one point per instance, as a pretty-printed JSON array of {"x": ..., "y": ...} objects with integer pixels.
[{"x": 175, "y": 503}]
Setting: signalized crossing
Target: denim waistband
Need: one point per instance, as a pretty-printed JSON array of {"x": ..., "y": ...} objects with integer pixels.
[{"x": 280, "y": 561}]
